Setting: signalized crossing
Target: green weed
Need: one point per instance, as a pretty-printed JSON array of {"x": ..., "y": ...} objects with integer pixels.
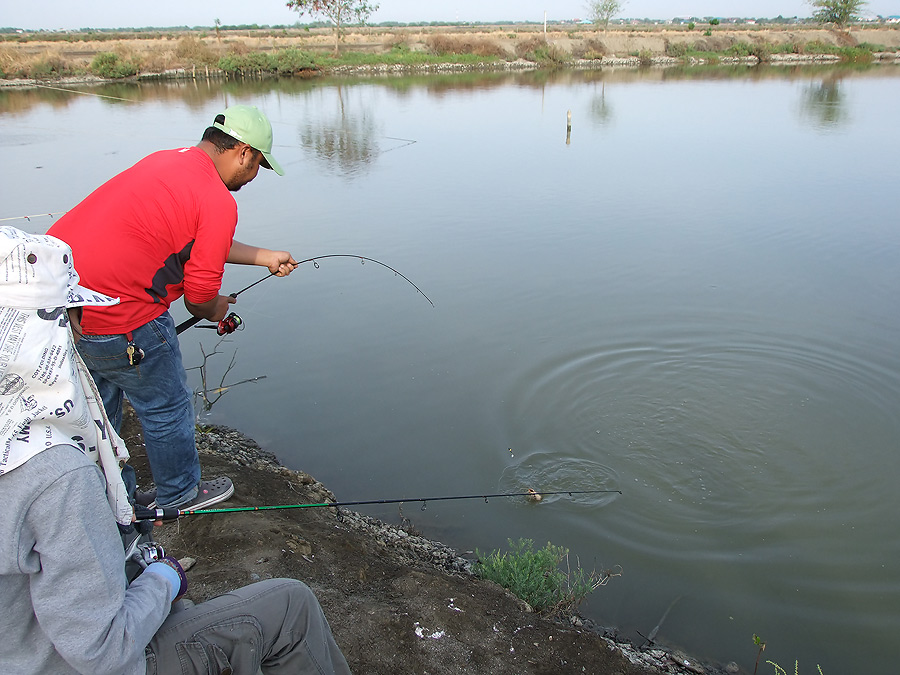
[
  {"x": 109, "y": 65},
  {"x": 537, "y": 578},
  {"x": 781, "y": 671}
]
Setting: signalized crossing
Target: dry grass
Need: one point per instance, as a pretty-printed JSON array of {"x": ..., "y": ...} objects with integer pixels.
[
  {"x": 46, "y": 63},
  {"x": 195, "y": 51},
  {"x": 464, "y": 44},
  {"x": 589, "y": 48}
]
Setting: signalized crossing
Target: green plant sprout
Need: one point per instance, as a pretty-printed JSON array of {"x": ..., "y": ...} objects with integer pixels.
[
  {"x": 781, "y": 671},
  {"x": 536, "y": 577}
]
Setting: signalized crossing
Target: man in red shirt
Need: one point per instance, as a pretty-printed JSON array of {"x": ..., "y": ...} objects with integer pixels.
[{"x": 158, "y": 231}]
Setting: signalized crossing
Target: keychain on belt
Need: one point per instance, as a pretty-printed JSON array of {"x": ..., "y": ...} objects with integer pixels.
[{"x": 132, "y": 351}]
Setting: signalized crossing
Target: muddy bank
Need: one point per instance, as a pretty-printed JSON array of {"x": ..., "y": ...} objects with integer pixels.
[{"x": 397, "y": 602}]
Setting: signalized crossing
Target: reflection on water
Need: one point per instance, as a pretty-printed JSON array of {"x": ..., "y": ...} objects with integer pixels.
[
  {"x": 693, "y": 303},
  {"x": 824, "y": 103},
  {"x": 345, "y": 139},
  {"x": 601, "y": 109}
]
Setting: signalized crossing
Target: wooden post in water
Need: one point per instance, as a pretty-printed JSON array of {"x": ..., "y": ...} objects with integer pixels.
[{"x": 568, "y": 127}]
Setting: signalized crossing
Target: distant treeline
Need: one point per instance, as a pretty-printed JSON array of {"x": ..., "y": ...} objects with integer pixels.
[{"x": 778, "y": 20}]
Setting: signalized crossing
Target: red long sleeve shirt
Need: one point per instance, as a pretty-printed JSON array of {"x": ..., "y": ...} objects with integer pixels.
[{"x": 155, "y": 232}]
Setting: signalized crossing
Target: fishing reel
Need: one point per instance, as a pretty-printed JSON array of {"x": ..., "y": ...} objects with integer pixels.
[{"x": 228, "y": 325}]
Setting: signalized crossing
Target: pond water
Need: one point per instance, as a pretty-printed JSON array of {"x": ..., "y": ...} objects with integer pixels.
[{"x": 694, "y": 299}]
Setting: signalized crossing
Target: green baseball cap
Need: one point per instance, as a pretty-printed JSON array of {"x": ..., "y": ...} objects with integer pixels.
[{"x": 247, "y": 124}]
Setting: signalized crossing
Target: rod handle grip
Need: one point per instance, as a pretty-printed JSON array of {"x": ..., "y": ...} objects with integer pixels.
[{"x": 145, "y": 513}]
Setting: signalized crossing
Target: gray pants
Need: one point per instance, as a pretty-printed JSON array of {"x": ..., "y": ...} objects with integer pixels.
[{"x": 274, "y": 626}]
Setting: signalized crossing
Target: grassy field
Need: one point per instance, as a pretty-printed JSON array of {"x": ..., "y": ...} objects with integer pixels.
[{"x": 310, "y": 51}]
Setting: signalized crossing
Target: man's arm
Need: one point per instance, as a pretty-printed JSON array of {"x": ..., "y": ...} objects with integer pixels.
[
  {"x": 279, "y": 263},
  {"x": 214, "y": 310}
]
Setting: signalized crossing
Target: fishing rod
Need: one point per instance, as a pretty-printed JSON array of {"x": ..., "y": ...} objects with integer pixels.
[
  {"x": 230, "y": 323},
  {"x": 173, "y": 513},
  {"x": 36, "y": 215}
]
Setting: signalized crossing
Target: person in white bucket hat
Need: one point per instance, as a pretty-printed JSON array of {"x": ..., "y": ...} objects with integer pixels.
[
  {"x": 47, "y": 396},
  {"x": 68, "y": 607}
]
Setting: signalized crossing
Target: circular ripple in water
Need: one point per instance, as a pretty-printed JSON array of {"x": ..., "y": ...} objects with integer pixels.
[
  {"x": 547, "y": 472},
  {"x": 704, "y": 434}
]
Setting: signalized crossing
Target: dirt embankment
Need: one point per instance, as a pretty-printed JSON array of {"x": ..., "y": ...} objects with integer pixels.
[{"x": 397, "y": 603}]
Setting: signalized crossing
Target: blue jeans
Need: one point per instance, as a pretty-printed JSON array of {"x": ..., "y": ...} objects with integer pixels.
[{"x": 157, "y": 389}]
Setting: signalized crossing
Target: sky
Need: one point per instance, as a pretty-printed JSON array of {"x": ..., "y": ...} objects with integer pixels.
[{"x": 65, "y": 14}]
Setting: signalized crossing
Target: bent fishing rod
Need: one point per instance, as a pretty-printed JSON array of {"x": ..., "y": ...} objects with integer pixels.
[
  {"x": 233, "y": 322},
  {"x": 173, "y": 513}
]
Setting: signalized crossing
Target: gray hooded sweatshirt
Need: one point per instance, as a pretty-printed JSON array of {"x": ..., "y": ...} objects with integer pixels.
[{"x": 65, "y": 606}]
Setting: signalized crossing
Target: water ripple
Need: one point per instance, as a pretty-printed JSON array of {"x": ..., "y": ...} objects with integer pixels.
[{"x": 759, "y": 432}]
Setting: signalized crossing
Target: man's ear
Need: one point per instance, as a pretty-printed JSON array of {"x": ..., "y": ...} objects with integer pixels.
[{"x": 248, "y": 154}]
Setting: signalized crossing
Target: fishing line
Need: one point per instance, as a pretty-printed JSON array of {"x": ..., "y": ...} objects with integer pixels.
[
  {"x": 145, "y": 513},
  {"x": 184, "y": 325},
  {"x": 85, "y": 93},
  {"x": 406, "y": 142}
]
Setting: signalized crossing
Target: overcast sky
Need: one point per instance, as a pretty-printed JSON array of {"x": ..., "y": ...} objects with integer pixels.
[{"x": 52, "y": 14}]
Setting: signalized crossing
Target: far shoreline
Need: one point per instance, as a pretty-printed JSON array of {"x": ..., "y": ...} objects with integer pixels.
[
  {"x": 521, "y": 65},
  {"x": 194, "y": 55}
]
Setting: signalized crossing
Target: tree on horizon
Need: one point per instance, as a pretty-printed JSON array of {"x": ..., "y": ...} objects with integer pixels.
[
  {"x": 339, "y": 12},
  {"x": 601, "y": 11},
  {"x": 838, "y": 12}
]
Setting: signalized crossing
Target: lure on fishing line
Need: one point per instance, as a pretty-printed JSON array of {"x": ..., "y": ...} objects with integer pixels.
[
  {"x": 144, "y": 513},
  {"x": 223, "y": 329}
]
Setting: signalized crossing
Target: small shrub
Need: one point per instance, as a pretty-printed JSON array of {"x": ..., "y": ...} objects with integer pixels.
[
  {"x": 291, "y": 60},
  {"x": 591, "y": 49},
  {"x": 526, "y": 48},
  {"x": 194, "y": 51},
  {"x": 646, "y": 57},
  {"x": 450, "y": 44},
  {"x": 676, "y": 49},
  {"x": 537, "y": 49},
  {"x": 818, "y": 47},
  {"x": 536, "y": 577},
  {"x": 109, "y": 65},
  {"x": 739, "y": 49},
  {"x": 855, "y": 55},
  {"x": 253, "y": 62},
  {"x": 761, "y": 51},
  {"x": 787, "y": 48}
]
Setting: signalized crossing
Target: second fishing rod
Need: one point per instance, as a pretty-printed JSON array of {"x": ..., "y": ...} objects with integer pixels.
[
  {"x": 173, "y": 513},
  {"x": 233, "y": 322}
]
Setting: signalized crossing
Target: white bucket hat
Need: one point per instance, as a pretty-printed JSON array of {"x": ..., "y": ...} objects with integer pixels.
[
  {"x": 47, "y": 395},
  {"x": 36, "y": 272}
]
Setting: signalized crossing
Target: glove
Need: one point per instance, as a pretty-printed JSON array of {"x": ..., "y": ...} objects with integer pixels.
[{"x": 168, "y": 561}]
